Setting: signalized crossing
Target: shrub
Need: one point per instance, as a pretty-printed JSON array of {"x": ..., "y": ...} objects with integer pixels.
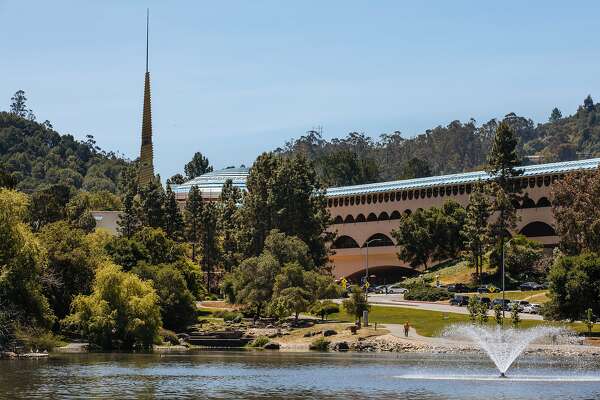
[
  {"x": 320, "y": 344},
  {"x": 227, "y": 315},
  {"x": 427, "y": 293},
  {"x": 260, "y": 341},
  {"x": 325, "y": 308},
  {"x": 37, "y": 339},
  {"x": 168, "y": 336}
]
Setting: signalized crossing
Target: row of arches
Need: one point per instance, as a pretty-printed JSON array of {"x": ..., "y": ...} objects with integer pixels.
[
  {"x": 531, "y": 230},
  {"x": 441, "y": 191},
  {"x": 384, "y": 216},
  {"x": 372, "y": 217},
  {"x": 376, "y": 240}
]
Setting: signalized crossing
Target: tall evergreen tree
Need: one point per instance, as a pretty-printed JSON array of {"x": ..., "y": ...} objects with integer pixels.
[
  {"x": 229, "y": 226},
  {"x": 197, "y": 166},
  {"x": 151, "y": 205},
  {"x": 476, "y": 231},
  {"x": 172, "y": 218},
  {"x": 192, "y": 214},
  {"x": 129, "y": 221},
  {"x": 209, "y": 241},
  {"x": 503, "y": 159},
  {"x": 284, "y": 194},
  {"x": 555, "y": 115}
]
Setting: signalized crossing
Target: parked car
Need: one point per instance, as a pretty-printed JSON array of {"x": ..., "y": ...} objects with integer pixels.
[
  {"x": 459, "y": 300},
  {"x": 532, "y": 308},
  {"x": 485, "y": 300},
  {"x": 457, "y": 288},
  {"x": 521, "y": 304},
  {"x": 380, "y": 289},
  {"x": 530, "y": 286},
  {"x": 500, "y": 302},
  {"x": 396, "y": 290}
]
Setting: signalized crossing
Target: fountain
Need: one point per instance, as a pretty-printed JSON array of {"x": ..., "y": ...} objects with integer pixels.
[{"x": 504, "y": 345}]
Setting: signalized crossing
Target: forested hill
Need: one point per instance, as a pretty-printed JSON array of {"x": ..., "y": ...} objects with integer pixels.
[
  {"x": 457, "y": 147},
  {"x": 36, "y": 156}
]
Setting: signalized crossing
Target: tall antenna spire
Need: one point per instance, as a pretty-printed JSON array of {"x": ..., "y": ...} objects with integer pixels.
[
  {"x": 147, "y": 34},
  {"x": 146, "y": 171}
]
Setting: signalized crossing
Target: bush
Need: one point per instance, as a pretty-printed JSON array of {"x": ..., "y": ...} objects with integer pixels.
[
  {"x": 168, "y": 336},
  {"x": 427, "y": 293},
  {"x": 320, "y": 344},
  {"x": 227, "y": 315},
  {"x": 260, "y": 341},
  {"x": 37, "y": 339},
  {"x": 324, "y": 308}
]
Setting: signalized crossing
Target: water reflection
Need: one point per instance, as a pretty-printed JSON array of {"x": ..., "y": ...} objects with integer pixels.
[{"x": 273, "y": 376}]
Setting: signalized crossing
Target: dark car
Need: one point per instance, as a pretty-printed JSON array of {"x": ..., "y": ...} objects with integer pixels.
[
  {"x": 486, "y": 289},
  {"x": 459, "y": 300},
  {"x": 530, "y": 286},
  {"x": 457, "y": 288},
  {"x": 485, "y": 300},
  {"x": 499, "y": 302}
]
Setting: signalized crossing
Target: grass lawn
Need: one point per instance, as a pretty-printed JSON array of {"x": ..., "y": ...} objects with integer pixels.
[
  {"x": 532, "y": 296},
  {"x": 432, "y": 323}
]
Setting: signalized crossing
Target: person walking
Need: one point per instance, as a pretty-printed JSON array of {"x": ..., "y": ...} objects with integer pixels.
[{"x": 406, "y": 328}]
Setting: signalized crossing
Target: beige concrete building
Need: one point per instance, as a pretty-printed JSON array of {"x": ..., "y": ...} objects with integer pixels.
[{"x": 365, "y": 212}]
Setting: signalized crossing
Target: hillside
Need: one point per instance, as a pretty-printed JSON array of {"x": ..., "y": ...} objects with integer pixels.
[
  {"x": 457, "y": 147},
  {"x": 37, "y": 156}
]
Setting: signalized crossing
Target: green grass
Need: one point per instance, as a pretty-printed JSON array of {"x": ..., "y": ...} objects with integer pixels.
[
  {"x": 432, "y": 323},
  {"x": 533, "y": 296}
]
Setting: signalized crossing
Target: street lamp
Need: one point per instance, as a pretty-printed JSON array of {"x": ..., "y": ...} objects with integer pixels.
[{"x": 366, "y": 312}]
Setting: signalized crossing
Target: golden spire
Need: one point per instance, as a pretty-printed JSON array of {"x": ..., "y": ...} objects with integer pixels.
[{"x": 146, "y": 172}]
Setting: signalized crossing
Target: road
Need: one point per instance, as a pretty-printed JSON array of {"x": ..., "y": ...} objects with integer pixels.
[{"x": 397, "y": 300}]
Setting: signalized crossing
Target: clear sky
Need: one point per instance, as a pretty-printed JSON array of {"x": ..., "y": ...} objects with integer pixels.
[{"x": 234, "y": 78}]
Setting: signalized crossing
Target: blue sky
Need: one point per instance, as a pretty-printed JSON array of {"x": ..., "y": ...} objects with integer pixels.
[{"x": 234, "y": 78}]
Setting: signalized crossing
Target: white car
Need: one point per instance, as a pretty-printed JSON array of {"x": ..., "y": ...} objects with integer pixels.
[
  {"x": 396, "y": 290},
  {"x": 532, "y": 309}
]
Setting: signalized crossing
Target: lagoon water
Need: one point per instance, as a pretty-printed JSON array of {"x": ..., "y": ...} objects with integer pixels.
[{"x": 285, "y": 375}]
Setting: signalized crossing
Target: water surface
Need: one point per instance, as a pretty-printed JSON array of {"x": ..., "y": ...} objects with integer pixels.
[{"x": 280, "y": 375}]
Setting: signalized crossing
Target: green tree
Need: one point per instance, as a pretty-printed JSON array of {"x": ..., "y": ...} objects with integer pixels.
[
  {"x": 176, "y": 179},
  {"x": 229, "y": 224},
  {"x": 129, "y": 221},
  {"x": 122, "y": 311},
  {"x": 356, "y": 304},
  {"x": 476, "y": 230},
  {"x": 172, "y": 216},
  {"x": 252, "y": 281},
  {"x": 209, "y": 242},
  {"x": 576, "y": 209},
  {"x": 284, "y": 194},
  {"x": 71, "y": 267},
  {"x": 415, "y": 168},
  {"x": 588, "y": 103},
  {"x": 498, "y": 317},
  {"x": 48, "y": 206},
  {"x": 503, "y": 159},
  {"x": 345, "y": 167},
  {"x": 199, "y": 165},
  {"x": 324, "y": 308},
  {"x": 514, "y": 315},
  {"x": 22, "y": 262},
  {"x": 192, "y": 214},
  {"x": 521, "y": 256},
  {"x": 177, "y": 304},
  {"x": 482, "y": 316},
  {"x": 473, "y": 308},
  {"x": 589, "y": 320},
  {"x": 574, "y": 286},
  {"x": 18, "y": 105},
  {"x": 555, "y": 116},
  {"x": 414, "y": 238},
  {"x": 151, "y": 204}
]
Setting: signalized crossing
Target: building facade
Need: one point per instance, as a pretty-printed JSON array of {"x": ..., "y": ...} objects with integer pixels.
[{"x": 365, "y": 212}]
